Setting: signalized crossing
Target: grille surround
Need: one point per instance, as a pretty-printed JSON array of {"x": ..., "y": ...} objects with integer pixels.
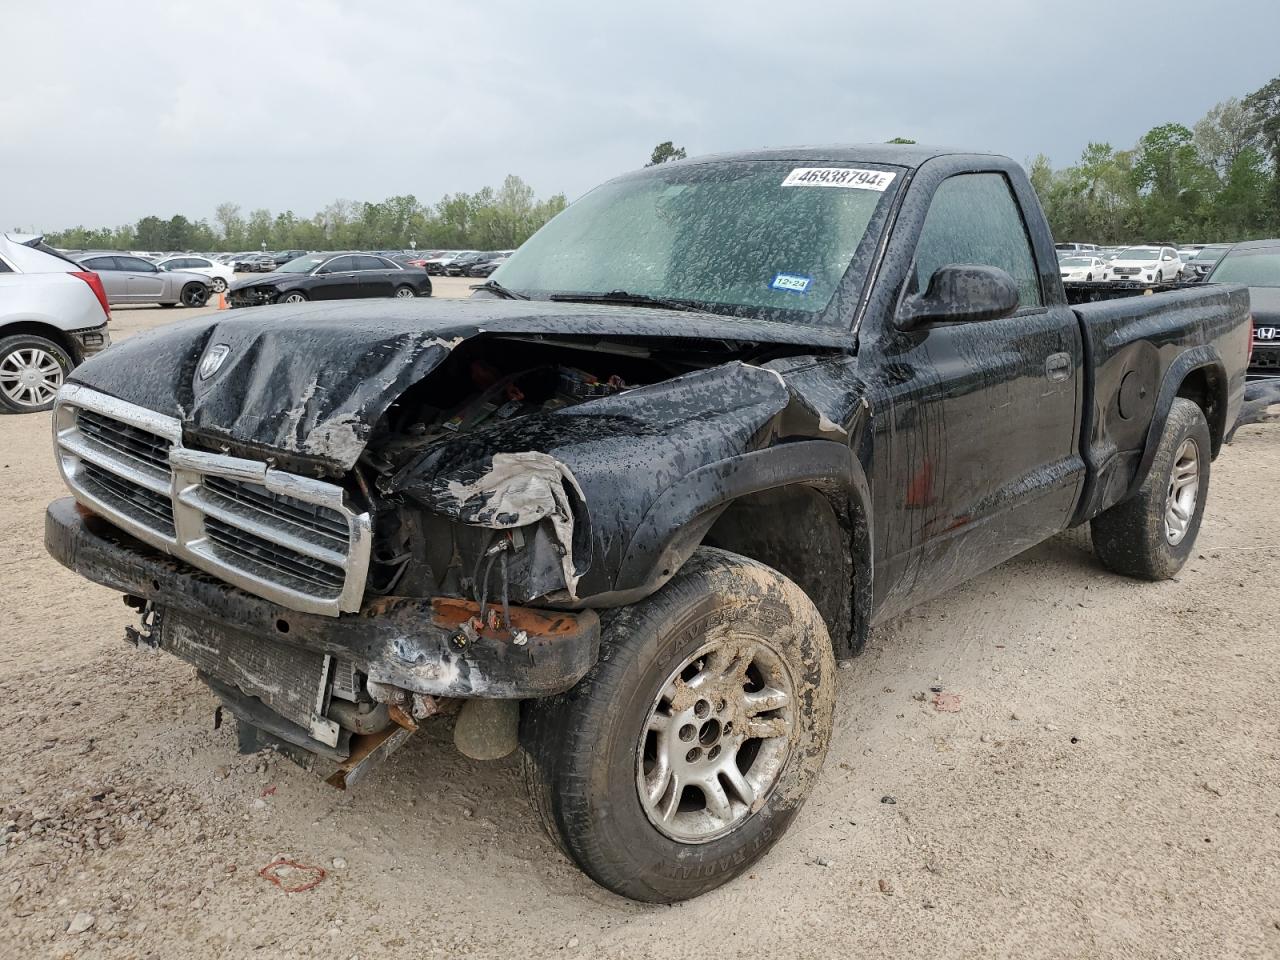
[{"x": 290, "y": 539}]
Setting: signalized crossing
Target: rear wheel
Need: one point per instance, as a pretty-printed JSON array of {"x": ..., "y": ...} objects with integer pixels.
[
  {"x": 404, "y": 293},
  {"x": 194, "y": 295},
  {"x": 32, "y": 369},
  {"x": 1150, "y": 535},
  {"x": 686, "y": 752},
  {"x": 219, "y": 285}
]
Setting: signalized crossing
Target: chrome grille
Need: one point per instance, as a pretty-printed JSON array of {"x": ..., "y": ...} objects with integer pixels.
[
  {"x": 293, "y": 540},
  {"x": 140, "y": 504}
]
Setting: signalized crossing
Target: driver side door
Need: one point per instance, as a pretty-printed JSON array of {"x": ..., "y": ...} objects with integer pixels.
[
  {"x": 336, "y": 280},
  {"x": 982, "y": 456}
]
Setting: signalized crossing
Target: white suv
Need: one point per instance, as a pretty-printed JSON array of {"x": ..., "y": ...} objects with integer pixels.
[
  {"x": 53, "y": 314},
  {"x": 1145, "y": 265}
]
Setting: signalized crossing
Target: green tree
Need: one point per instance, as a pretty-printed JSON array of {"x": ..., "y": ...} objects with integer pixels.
[{"x": 664, "y": 152}]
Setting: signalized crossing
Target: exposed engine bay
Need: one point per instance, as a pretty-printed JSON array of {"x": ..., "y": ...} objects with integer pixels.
[{"x": 497, "y": 520}]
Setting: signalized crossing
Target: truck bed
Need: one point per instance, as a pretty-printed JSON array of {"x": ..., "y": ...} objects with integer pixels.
[{"x": 1142, "y": 341}]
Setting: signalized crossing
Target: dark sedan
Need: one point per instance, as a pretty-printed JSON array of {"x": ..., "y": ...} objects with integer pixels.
[
  {"x": 460, "y": 265},
  {"x": 485, "y": 267},
  {"x": 332, "y": 276},
  {"x": 1256, "y": 264}
]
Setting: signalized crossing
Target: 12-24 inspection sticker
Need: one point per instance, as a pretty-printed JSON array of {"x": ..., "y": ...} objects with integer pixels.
[{"x": 850, "y": 177}]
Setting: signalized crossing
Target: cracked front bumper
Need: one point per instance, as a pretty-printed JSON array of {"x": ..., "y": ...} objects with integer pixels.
[{"x": 407, "y": 642}]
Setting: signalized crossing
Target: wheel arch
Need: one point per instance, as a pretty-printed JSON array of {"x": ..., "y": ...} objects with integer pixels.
[
  {"x": 802, "y": 508},
  {"x": 37, "y": 328},
  {"x": 1198, "y": 375}
]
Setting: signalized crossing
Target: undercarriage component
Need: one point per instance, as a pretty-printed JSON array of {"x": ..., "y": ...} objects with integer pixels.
[{"x": 487, "y": 729}]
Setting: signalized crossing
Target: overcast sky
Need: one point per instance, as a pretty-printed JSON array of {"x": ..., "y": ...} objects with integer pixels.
[{"x": 112, "y": 112}]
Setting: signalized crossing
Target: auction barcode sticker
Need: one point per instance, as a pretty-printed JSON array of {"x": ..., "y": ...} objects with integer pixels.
[{"x": 849, "y": 177}]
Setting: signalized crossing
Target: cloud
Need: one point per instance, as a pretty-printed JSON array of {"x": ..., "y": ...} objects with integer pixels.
[{"x": 111, "y": 114}]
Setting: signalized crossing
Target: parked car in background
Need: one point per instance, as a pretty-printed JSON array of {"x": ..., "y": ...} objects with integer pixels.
[
  {"x": 332, "y": 276},
  {"x": 459, "y": 265},
  {"x": 437, "y": 265},
  {"x": 1082, "y": 268},
  {"x": 415, "y": 260},
  {"x": 1199, "y": 266},
  {"x": 281, "y": 257},
  {"x": 1089, "y": 248},
  {"x": 220, "y": 275},
  {"x": 486, "y": 266},
  {"x": 1148, "y": 264},
  {"x": 130, "y": 279},
  {"x": 53, "y": 314},
  {"x": 1256, "y": 264}
]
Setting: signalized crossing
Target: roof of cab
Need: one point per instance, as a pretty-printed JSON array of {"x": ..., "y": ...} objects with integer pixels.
[{"x": 902, "y": 154}]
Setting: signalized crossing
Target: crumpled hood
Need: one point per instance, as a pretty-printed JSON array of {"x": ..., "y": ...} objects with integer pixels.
[{"x": 312, "y": 380}]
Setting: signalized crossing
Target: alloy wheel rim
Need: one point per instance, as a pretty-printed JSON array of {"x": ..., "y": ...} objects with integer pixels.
[
  {"x": 404, "y": 293},
  {"x": 30, "y": 376},
  {"x": 716, "y": 739},
  {"x": 1183, "y": 492}
]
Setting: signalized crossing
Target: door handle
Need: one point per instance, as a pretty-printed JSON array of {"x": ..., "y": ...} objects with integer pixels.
[{"x": 1058, "y": 367}]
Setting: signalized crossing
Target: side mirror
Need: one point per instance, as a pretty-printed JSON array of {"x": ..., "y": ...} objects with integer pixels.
[{"x": 961, "y": 293}]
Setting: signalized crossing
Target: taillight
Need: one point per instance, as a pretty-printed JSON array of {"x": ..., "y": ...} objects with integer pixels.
[{"x": 95, "y": 284}]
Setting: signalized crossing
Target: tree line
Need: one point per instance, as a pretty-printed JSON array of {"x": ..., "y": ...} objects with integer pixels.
[
  {"x": 489, "y": 219},
  {"x": 1218, "y": 180}
]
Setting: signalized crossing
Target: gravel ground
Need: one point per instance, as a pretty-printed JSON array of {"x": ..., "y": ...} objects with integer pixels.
[{"x": 1107, "y": 787}]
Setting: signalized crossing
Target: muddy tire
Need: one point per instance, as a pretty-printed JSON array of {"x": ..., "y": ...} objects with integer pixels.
[
  {"x": 687, "y": 750},
  {"x": 1150, "y": 535}
]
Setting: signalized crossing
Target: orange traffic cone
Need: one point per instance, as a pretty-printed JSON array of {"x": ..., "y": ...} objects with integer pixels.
[{"x": 222, "y": 300}]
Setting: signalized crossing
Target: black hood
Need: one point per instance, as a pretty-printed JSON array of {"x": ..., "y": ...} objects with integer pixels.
[
  {"x": 268, "y": 278},
  {"x": 312, "y": 380},
  {"x": 1264, "y": 304}
]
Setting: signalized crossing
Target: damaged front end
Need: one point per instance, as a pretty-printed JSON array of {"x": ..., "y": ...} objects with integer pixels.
[{"x": 346, "y": 548}]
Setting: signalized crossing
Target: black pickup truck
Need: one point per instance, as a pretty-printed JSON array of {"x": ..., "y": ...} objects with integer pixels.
[{"x": 629, "y": 504}]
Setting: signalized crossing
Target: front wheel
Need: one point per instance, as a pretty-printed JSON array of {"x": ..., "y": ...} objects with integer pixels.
[
  {"x": 688, "y": 749},
  {"x": 1151, "y": 534},
  {"x": 295, "y": 296}
]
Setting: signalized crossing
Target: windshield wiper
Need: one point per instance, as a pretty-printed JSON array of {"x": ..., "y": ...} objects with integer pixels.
[
  {"x": 624, "y": 297},
  {"x": 498, "y": 290}
]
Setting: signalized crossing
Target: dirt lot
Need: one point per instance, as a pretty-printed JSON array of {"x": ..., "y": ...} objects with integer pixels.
[{"x": 1110, "y": 785}]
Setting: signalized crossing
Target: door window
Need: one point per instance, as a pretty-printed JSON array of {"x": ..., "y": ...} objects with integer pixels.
[
  {"x": 340, "y": 265},
  {"x": 136, "y": 264},
  {"x": 974, "y": 219},
  {"x": 100, "y": 263},
  {"x": 370, "y": 263}
]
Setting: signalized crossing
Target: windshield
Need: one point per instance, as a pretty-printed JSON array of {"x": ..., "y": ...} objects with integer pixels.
[
  {"x": 303, "y": 264},
  {"x": 1212, "y": 254},
  {"x": 1077, "y": 262},
  {"x": 1139, "y": 253},
  {"x": 763, "y": 238},
  {"x": 1253, "y": 268}
]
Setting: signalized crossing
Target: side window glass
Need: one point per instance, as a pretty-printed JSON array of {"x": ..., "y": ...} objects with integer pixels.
[
  {"x": 100, "y": 263},
  {"x": 369, "y": 263},
  {"x": 974, "y": 219},
  {"x": 340, "y": 265}
]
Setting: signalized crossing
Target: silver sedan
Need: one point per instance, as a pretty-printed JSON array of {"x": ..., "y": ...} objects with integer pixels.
[{"x": 130, "y": 279}]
